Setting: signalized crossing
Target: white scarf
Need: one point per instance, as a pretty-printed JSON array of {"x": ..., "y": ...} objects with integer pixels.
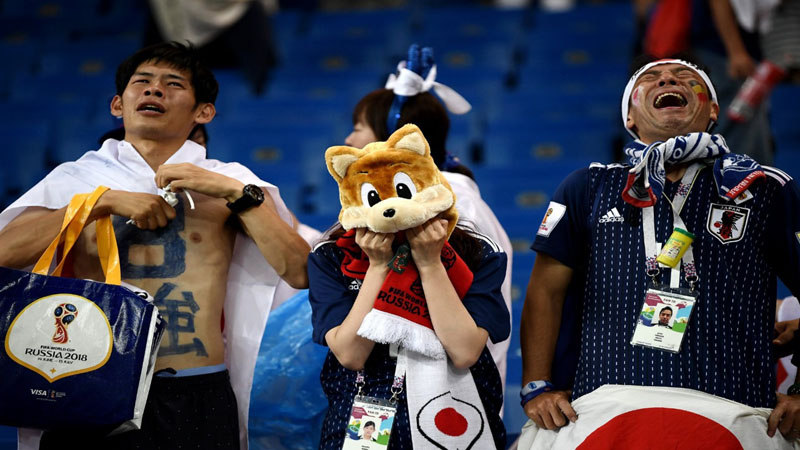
[
  {"x": 444, "y": 408},
  {"x": 409, "y": 83},
  {"x": 733, "y": 173}
]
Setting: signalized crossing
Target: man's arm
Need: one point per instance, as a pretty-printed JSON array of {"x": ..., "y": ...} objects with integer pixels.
[
  {"x": 283, "y": 248},
  {"x": 25, "y": 238},
  {"x": 740, "y": 63},
  {"x": 541, "y": 316}
]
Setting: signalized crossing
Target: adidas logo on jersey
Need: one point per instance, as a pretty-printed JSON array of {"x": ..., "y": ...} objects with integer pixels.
[
  {"x": 611, "y": 216},
  {"x": 355, "y": 285}
]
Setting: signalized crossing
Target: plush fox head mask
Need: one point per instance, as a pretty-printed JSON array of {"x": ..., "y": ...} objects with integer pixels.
[{"x": 391, "y": 186}]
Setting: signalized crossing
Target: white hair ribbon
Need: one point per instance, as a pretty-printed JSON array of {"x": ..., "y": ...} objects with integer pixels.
[{"x": 409, "y": 84}]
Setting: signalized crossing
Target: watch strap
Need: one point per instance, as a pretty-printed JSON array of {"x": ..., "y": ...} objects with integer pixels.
[{"x": 252, "y": 195}]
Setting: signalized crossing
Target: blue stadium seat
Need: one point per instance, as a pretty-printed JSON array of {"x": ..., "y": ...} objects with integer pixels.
[
  {"x": 74, "y": 136},
  {"x": 592, "y": 21},
  {"x": 376, "y": 25},
  {"x": 516, "y": 188},
  {"x": 25, "y": 157},
  {"x": 788, "y": 160},
  {"x": 530, "y": 144},
  {"x": 21, "y": 52},
  {"x": 477, "y": 23},
  {"x": 338, "y": 53},
  {"x": 99, "y": 57},
  {"x": 521, "y": 226},
  {"x": 785, "y": 114},
  {"x": 344, "y": 87},
  {"x": 233, "y": 86}
]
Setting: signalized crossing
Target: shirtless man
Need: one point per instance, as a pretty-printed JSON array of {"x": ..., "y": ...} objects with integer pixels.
[{"x": 188, "y": 259}]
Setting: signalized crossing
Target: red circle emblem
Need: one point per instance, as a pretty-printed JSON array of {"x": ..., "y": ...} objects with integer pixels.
[
  {"x": 661, "y": 429},
  {"x": 450, "y": 422}
]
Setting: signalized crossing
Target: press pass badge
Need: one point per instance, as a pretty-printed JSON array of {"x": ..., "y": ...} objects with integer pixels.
[
  {"x": 663, "y": 320},
  {"x": 370, "y": 424}
]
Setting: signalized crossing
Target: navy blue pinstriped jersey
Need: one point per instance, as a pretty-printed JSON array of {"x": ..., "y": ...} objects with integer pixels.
[
  {"x": 332, "y": 294},
  {"x": 739, "y": 250}
]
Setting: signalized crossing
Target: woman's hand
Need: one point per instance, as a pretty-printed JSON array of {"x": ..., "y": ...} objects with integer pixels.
[{"x": 377, "y": 246}]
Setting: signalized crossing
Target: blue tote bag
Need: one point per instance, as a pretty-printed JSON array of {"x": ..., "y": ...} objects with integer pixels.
[{"x": 75, "y": 353}]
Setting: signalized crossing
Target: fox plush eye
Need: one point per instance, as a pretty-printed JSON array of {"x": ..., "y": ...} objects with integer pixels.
[
  {"x": 369, "y": 195},
  {"x": 403, "y": 185}
]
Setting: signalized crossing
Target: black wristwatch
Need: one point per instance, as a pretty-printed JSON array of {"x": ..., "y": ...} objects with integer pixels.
[{"x": 252, "y": 195}]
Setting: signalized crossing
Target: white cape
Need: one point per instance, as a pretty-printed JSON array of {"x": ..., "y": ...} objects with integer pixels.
[{"x": 251, "y": 280}]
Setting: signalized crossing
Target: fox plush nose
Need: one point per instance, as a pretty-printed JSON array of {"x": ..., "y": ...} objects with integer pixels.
[{"x": 389, "y": 213}]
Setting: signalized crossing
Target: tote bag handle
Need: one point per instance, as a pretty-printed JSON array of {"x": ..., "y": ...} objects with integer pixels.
[{"x": 75, "y": 218}]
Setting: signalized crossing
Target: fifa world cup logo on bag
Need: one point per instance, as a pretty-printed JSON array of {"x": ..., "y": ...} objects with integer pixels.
[{"x": 65, "y": 313}]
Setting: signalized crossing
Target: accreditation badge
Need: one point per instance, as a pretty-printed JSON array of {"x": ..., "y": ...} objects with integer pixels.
[
  {"x": 663, "y": 319},
  {"x": 370, "y": 424}
]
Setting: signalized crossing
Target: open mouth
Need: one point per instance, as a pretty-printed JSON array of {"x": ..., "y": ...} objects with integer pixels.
[
  {"x": 150, "y": 107},
  {"x": 670, "y": 100}
]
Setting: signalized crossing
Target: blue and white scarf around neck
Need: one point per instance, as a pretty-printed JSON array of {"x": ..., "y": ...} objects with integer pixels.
[{"x": 733, "y": 173}]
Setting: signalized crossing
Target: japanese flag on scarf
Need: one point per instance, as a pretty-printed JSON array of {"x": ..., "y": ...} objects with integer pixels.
[
  {"x": 444, "y": 407},
  {"x": 657, "y": 418}
]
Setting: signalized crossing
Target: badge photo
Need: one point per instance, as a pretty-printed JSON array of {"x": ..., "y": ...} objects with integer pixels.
[
  {"x": 370, "y": 424},
  {"x": 727, "y": 223},
  {"x": 663, "y": 320}
]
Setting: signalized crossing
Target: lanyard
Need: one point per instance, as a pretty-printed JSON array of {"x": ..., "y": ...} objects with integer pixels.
[
  {"x": 651, "y": 248},
  {"x": 399, "y": 376}
]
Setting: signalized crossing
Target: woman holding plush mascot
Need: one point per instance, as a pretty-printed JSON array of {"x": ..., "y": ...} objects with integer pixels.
[
  {"x": 409, "y": 98},
  {"x": 405, "y": 300}
]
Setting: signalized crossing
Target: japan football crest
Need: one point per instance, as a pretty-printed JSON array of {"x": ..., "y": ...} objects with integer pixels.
[{"x": 727, "y": 223}]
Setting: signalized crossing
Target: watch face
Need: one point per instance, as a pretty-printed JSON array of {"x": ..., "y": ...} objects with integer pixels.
[{"x": 255, "y": 192}]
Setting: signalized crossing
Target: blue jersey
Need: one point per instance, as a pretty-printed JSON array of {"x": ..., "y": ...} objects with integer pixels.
[
  {"x": 331, "y": 294},
  {"x": 739, "y": 249}
]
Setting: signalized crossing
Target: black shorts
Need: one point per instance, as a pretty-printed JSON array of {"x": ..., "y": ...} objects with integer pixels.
[{"x": 194, "y": 412}]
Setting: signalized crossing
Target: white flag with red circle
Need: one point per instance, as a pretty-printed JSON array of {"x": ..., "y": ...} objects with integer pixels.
[{"x": 658, "y": 418}]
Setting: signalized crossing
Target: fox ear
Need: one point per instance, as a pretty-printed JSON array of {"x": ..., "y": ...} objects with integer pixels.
[
  {"x": 409, "y": 137},
  {"x": 339, "y": 158}
]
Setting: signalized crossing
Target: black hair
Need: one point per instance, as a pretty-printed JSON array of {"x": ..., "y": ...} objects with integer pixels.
[
  {"x": 423, "y": 110},
  {"x": 183, "y": 57},
  {"x": 116, "y": 133},
  {"x": 369, "y": 422},
  {"x": 666, "y": 307},
  {"x": 202, "y": 129}
]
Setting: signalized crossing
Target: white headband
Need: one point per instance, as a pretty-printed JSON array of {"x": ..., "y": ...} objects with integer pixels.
[
  {"x": 409, "y": 84},
  {"x": 626, "y": 96}
]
